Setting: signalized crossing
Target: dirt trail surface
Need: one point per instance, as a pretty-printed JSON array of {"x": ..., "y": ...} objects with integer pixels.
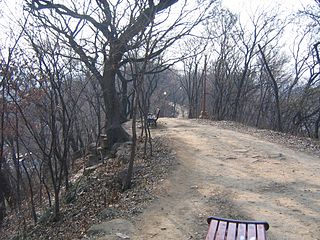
[{"x": 235, "y": 175}]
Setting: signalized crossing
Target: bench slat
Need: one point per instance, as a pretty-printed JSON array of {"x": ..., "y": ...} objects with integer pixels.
[
  {"x": 252, "y": 232},
  {"x": 212, "y": 230},
  {"x": 221, "y": 233},
  {"x": 232, "y": 229},
  {"x": 241, "y": 232},
  {"x": 261, "y": 232}
]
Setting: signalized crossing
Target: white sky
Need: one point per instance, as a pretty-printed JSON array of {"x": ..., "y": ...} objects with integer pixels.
[
  {"x": 244, "y": 8},
  {"x": 249, "y": 6},
  {"x": 286, "y": 8}
]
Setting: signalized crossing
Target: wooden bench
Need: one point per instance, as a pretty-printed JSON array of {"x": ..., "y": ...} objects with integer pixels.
[
  {"x": 229, "y": 229},
  {"x": 152, "y": 118}
]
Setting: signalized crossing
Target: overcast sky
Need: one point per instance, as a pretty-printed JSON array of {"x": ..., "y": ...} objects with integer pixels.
[
  {"x": 244, "y": 8},
  {"x": 247, "y": 6}
]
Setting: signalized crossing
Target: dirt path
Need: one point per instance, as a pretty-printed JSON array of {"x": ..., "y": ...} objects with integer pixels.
[{"x": 230, "y": 174}]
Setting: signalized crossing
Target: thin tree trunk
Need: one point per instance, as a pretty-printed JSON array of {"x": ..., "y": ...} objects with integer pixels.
[
  {"x": 275, "y": 89},
  {"x": 316, "y": 127},
  {"x": 33, "y": 209},
  {"x": 133, "y": 146},
  {"x": 56, "y": 211}
]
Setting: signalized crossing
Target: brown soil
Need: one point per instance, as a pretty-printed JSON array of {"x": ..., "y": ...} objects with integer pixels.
[{"x": 236, "y": 175}]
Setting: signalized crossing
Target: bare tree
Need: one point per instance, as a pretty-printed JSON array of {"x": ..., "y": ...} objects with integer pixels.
[
  {"x": 114, "y": 30},
  {"x": 191, "y": 79},
  {"x": 224, "y": 65},
  {"x": 266, "y": 27},
  {"x": 7, "y": 67},
  {"x": 275, "y": 88}
]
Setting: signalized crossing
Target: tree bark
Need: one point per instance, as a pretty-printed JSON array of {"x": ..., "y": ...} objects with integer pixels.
[
  {"x": 33, "y": 208},
  {"x": 275, "y": 89},
  {"x": 316, "y": 127},
  {"x": 128, "y": 179},
  {"x": 115, "y": 132}
]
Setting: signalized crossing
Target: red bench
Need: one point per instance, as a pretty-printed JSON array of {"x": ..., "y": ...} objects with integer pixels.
[{"x": 229, "y": 229}]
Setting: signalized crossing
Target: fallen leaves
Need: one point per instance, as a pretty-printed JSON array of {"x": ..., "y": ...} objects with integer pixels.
[{"x": 98, "y": 197}]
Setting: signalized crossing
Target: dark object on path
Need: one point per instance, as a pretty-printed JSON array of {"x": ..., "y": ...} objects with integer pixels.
[
  {"x": 152, "y": 118},
  {"x": 229, "y": 229}
]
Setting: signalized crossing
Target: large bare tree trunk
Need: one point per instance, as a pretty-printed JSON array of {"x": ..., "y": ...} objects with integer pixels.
[{"x": 114, "y": 130}]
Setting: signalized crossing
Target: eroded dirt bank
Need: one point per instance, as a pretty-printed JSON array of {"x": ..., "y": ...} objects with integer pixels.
[{"x": 231, "y": 174}]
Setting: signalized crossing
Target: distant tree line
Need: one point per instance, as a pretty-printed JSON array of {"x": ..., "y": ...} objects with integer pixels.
[{"x": 257, "y": 74}]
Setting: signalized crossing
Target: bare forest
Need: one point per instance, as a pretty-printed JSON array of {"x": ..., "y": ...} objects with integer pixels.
[{"x": 79, "y": 79}]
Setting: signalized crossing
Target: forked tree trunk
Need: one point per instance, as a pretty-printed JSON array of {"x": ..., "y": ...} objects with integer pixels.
[{"x": 275, "y": 90}]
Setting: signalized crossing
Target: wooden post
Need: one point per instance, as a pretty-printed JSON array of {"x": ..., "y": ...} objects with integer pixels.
[{"x": 203, "y": 113}]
